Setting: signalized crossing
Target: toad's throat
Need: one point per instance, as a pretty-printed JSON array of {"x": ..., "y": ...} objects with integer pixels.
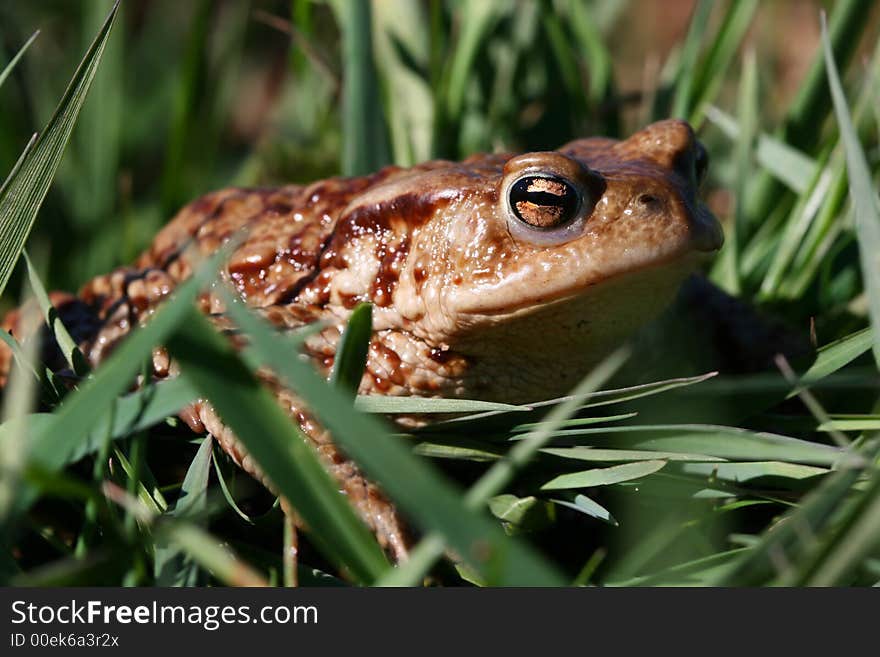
[{"x": 575, "y": 331}]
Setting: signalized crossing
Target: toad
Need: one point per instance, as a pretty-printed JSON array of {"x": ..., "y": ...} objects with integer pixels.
[{"x": 503, "y": 277}]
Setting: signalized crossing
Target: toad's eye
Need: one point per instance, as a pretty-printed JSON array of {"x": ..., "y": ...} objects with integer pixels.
[{"x": 543, "y": 201}]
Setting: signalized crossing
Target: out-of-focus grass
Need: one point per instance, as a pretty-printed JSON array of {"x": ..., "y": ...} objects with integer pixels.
[{"x": 685, "y": 480}]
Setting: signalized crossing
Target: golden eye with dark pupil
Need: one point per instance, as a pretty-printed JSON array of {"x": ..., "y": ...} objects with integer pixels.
[{"x": 543, "y": 202}]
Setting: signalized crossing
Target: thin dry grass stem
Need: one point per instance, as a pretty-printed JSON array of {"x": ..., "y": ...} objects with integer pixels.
[{"x": 811, "y": 402}]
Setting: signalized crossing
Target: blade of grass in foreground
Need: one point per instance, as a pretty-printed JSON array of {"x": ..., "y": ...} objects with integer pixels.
[
  {"x": 171, "y": 567},
  {"x": 600, "y": 398},
  {"x": 131, "y": 413},
  {"x": 836, "y": 355},
  {"x": 604, "y": 476},
  {"x": 855, "y": 541},
  {"x": 11, "y": 65},
  {"x": 68, "y": 346},
  {"x": 787, "y": 540},
  {"x": 861, "y": 189},
  {"x": 23, "y": 195},
  {"x": 428, "y": 499},
  {"x": 351, "y": 356},
  {"x": 20, "y": 395},
  {"x": 502, "y": 472},
  {"x": 730, "y": 443},
  {"x": 285, "y": 455},
  {"x": 58, "y": 439},
  {"x": 205, "y": 549}
]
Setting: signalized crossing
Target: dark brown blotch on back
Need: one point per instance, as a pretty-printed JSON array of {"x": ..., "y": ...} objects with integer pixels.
[
  {"x": 391, "y": 259},
  {"x": 403, "y": 213},
  {"x": 389, "y": 223}
]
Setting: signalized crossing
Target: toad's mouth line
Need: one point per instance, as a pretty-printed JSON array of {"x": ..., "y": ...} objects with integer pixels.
[{"x": 673, "y": 269}]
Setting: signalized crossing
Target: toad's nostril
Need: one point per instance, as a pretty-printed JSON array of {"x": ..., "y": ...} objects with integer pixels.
[{"x": 648, "y": 200}]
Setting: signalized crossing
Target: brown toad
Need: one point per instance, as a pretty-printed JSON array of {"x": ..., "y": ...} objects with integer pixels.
[{"x": 500, "y": 278}]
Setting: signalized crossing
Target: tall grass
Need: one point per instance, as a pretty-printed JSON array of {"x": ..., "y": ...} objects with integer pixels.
[{"x": 650, "y": 473}]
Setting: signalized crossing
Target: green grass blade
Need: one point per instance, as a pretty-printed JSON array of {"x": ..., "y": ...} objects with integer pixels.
[
  {"x": 758, "y": 472},
  {"x": 598, "y": 59},
  {"x": 402, "y": 53},
  {"x": 185, "y": 109},
  {"x": 521, "y": 514},
  {"x": 193, "y": 498},
  {"x": 836, "y": 355},
  {"x": 11, "y": 65},
  {"x": 698, "y": 572},
  {"x": 72, "y": 426},
  {"x": 579, "y": 421},
  {"x": 789, "y": 165},
  {"x": 227, "y": 493},
  {"x": 785, "y": 541},
  {"x": 822, "y": 236},
  {"x": 21, "y": 360},
  {"x": 796, "y": 228},
  {"x": 132, "y": 413},
  {"x": 129, "y": 414},
  {"x": 565, "y": 61},
  {"x": 284, "y": 454},
  {"x": 604, "y": 476},
  {"x": 351, "y": 356},
  {"x": 22, "y": 158},
  {"x": 813, "y": 101},
  {"x": 477, "y": 20},
  {"x": 710, "y": 74},
  {"x": 503, "y": 471},
  {"x": 588, "y": 507},
  {"x": 623, "y": 455},
  {"x": 727, "y": 271},
  {"x": 68, "y": 346},
  {"x": 92, "y": 184},
  {"x": 146, "y": 489},
  {"x": 210, "y": 553},
  {"x": 171, "y": 567},
  {"x": 682, "y": 100},
  {"x": 24, "y": 194},
  {"x": 365, "y": 141},
  {"x": 203, "y": 548},
  {"x": 853, "y": 543},
  {"x": 596, "y": 399},
  {"x": 730, "y": 443},
  {"x": 862, "y": 192}
]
